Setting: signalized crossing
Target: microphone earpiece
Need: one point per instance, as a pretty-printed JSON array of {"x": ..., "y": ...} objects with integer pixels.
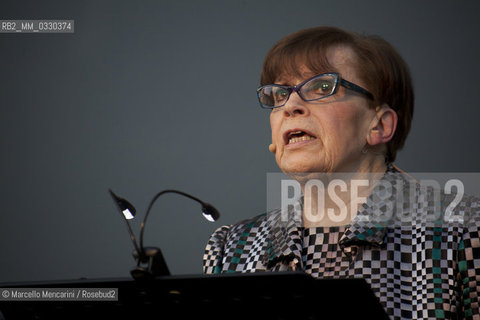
[{"x": 272, "y": 147}]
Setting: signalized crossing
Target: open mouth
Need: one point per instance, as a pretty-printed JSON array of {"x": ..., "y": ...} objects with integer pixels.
[{"x": 298, "y": 136}]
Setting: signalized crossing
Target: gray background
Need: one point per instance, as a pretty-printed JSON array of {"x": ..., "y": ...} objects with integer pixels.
[{"x": 148, "y": 95}]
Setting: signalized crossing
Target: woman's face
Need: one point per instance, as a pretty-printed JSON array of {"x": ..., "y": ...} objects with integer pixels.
[{"x": 336, "y": 126}]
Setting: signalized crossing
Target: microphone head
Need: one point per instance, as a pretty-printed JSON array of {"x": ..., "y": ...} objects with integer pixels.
[
  {"x": 272, "y": 148},
  {"x": 209, "y": 212},
  {"x": 124, "y": 206}
]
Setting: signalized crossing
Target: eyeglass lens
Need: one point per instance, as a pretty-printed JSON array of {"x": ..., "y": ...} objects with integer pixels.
[{"x": 313, "y": 89}]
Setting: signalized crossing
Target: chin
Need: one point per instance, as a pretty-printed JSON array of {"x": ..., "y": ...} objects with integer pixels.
[{"x": 304, "y": 163}]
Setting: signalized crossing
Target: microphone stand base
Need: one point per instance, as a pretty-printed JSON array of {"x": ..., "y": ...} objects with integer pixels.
[{"x": 154, "y": 264}]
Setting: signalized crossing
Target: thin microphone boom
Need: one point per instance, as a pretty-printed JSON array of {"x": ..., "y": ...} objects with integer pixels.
[
  {"x": 123, "y": 206},
  {"x": 152, "y": 256},
  {"x": 209, "y": 214}
]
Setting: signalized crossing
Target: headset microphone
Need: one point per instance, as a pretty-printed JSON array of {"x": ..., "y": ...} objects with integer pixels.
[{"x": 272, "y": 147}]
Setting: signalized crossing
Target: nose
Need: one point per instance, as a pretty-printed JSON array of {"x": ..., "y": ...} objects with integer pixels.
[{"x": 295, "y": 106}]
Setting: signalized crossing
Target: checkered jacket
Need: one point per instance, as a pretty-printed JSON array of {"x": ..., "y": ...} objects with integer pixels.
[{"x": 419, "y": 268}]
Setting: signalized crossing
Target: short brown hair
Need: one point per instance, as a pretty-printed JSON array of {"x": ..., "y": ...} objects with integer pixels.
[{"x": 379, "y": 65}]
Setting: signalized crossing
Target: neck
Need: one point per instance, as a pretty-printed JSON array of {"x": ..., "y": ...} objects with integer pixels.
[{"x": 333, "y": 199}]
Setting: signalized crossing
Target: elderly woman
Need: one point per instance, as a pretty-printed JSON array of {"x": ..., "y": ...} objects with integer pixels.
[{"x": 343, "y": 103}]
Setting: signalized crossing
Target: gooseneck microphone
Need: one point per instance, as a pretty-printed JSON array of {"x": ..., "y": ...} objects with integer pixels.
[
  {"x": 128, "y": 212},
  {"x": 150, "y": 261}
]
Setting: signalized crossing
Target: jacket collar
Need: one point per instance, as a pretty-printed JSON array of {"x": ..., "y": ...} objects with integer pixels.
[
  {"x": 369, "y": 227},
  {"x": 284, "y": 242}
]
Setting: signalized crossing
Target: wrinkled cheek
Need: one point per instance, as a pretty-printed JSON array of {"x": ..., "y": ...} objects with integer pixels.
[
  {"x": 278, "y": 157},
  {"x": 274, "y": 128},
  {"x": 329, "y": 154}
]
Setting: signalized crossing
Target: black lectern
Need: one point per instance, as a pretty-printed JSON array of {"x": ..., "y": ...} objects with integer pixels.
[{"x": 281, "y": 295}]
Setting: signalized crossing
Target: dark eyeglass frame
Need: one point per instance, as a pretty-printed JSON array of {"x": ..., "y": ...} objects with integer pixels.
[{"x": 338, "y": 80}]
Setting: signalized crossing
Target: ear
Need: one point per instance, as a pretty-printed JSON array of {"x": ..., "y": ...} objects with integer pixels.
[{"x": 382, "y": 130}]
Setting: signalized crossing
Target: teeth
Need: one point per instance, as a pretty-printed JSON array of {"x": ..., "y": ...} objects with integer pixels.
[
  {"x": 298, "y": 139},
  {"x": 292, "y": 133}
]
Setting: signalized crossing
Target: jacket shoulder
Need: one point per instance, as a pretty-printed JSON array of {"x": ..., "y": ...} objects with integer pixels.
[{"x": 227, "y": 238}]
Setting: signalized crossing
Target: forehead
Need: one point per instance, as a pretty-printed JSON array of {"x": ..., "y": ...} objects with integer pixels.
[{"x": 342, "y": 59}]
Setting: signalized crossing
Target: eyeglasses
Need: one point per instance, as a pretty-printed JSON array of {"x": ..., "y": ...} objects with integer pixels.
[{"x": 319, "y": 87}]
